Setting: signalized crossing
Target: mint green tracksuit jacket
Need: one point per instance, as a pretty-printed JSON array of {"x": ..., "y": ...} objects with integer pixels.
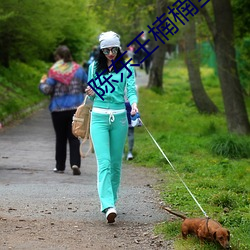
[{"x": 109, "y": 131}]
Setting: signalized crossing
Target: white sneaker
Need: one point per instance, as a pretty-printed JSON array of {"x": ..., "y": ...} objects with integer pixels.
[
  {"x": 111, "y": 214},
  {"x": 130, "y": 156},
  {"x": 58, "y": 171}
]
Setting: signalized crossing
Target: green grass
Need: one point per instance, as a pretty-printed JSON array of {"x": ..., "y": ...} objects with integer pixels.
[
  {"x": 19, "y": 87},
  {"x": 214, "y": 164}
]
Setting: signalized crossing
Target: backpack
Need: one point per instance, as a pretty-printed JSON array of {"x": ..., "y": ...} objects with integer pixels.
[{"x": 81, "y": 126}]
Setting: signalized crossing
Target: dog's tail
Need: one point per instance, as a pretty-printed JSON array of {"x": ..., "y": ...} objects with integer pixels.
[{"x": 175, "y": 213}]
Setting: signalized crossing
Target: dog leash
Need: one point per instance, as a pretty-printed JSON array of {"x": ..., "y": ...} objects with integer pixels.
[{"x": 174, "y": 170}]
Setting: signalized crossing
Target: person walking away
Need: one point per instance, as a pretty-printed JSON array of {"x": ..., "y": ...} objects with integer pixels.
[
  {"x": 130, "y": 133},
  {"x": 109, "y": 123},
  {"x": 66, "y": 83},
  {"x": 93, "y": 55},
  {"x": 131, "y": 129},
  {"x": 147, "y": 62}
]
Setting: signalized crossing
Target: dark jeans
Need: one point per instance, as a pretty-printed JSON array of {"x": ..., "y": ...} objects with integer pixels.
[
  {"x": 131, "y": 139},
  {"x": 62, "y": 122},
  {"x": 130, "y": 129}
]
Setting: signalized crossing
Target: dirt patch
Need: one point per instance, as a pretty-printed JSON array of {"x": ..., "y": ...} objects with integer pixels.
[{"x": 51, "y": 234}]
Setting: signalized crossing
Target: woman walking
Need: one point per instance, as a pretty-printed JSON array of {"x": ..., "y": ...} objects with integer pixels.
[
  {"x": 109, "y": 123},
  {"x": 66, "y": 83}
]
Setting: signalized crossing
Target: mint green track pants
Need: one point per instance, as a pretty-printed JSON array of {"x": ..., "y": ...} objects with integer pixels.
[{"x": 108, "y": 136}]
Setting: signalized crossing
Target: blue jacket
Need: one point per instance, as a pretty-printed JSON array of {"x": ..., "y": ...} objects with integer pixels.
[{"x": 65, "y": 97}]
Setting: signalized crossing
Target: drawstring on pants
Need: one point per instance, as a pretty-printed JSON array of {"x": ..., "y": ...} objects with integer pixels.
[{"x": 111, "y": 117}]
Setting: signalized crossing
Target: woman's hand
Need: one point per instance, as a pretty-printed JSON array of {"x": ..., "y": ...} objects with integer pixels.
[
  {"x": 89, "y": 91},
  {"x": 134, "y": 109}
]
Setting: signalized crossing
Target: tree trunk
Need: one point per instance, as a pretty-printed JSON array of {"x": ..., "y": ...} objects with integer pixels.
[
  {"x": 201, "y": 99},
  {"x": 156, "y": 71},
  {"x": 235, "y": 109}
]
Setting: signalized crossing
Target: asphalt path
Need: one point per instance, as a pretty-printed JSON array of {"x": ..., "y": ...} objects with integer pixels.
[
  {"x": 26, "y": 177},
  {"x": 31, "y": 190}
]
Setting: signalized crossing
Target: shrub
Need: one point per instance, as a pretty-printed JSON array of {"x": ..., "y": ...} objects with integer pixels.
[{"x": 231, "y": 146}]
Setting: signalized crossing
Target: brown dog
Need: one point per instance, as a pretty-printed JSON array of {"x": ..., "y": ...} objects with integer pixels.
[{"x": 204, "y": 229}]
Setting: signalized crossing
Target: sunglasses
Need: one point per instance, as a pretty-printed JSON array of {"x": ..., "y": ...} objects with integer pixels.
[{"x": 106, "y": 51}]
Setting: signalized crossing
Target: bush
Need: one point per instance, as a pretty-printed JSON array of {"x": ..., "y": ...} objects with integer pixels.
[{"x": 231, "y": 146}]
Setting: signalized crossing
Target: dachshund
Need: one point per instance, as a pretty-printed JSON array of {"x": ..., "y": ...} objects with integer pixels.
[{"x": 204, "y": 229}]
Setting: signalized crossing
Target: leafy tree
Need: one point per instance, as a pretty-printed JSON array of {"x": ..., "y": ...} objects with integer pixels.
[
  {"x": 79, "y": 29},
  {"x": 156, "y": 72},
  {"x": 28, "y": 33},
  {"x": 132, "y": 19},
  {"x": 24, "y": 32},
  {"x": 223, "y": 37},
  {"x": 127, "y": 18},
  {"x": 241, "y": 17},
  {"x": 242, "y": 33}
]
